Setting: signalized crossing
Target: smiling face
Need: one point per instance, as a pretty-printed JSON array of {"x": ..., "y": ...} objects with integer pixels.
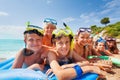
[
  {"x": 101, "y": 46},
  {"x": 111, "y": 44},
  {"x": 33, "y": 42},
  {"x": 83, "y": 38},
  {"x": 63, "y": 45},
  {"x": 48, "y": 28}
]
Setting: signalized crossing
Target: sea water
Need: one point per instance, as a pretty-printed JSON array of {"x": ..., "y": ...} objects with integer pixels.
[{"x": 9, "y": 47}]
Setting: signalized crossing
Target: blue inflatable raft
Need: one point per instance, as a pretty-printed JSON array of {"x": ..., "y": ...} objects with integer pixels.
[{"x": 6, "y": 73}]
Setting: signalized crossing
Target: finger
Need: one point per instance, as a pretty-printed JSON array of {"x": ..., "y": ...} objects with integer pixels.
[
  {"x": 49, "y": 71},
  {"x": 51, "y": 75}
]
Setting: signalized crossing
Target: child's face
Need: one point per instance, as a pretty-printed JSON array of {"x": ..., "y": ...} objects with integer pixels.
[
  {"x": 33, "y": 42},
  {"x": 48, "y": 28},
  {"x": 83, "y": 38},
  {"x": 101, "y": 46},
  {"x": 110, "y": 43},
  {"x": 63, "y": 45}
]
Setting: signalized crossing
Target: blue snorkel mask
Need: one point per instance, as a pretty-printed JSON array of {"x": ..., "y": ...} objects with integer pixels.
[
  {"x": 49, "y": 20},
  {"x": 101, "y": 40}
]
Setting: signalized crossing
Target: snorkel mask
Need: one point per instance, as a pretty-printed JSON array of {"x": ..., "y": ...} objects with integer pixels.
[
  {"x": 59, "y": 32},
  {"x": 49, "y": 20},
  {"x": 83, "y": 30},
  {"x": 33, "y": 27},
  {"x": 101, "y": 40},
  {"x": 110, "y": 39}
]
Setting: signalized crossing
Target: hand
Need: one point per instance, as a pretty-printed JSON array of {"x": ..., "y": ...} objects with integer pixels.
[{"x": 50, "y": 73}]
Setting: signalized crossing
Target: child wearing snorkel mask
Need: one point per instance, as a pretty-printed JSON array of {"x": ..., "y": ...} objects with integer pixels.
[
  {"x": 49, "y": 26},
  {"x": 34, "y": 52},
  {"x": 101, "y": 47},
  {"x": 64, "y": 62},
  {"x": 82, "y": 44},
  {"x": 112, "y": 45}
]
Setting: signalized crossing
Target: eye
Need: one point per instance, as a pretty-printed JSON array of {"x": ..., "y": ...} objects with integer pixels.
[
  {"x": 67, "y": 42},
  {"x": 39, "y": 39},
  {"x": 60, "y": 43},
  {"x": 31, "y": 40}
]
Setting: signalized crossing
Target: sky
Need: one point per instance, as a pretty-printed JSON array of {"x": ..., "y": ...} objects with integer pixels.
[{"x": 75, "y": 13}]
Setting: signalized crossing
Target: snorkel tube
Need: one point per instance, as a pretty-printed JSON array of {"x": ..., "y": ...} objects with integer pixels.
[
  {"x": 72, "y": 34},
  {"x": 68, "y": 28}
]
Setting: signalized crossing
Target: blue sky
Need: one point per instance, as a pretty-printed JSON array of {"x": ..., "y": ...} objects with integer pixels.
[{"x": 75, "y": 13}]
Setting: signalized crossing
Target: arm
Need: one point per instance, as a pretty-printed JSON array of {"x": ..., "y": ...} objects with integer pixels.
[
  {"x": 96, "y": 52},
  {"x": 18, "y": 62},
  {"x": 107, "y": 52},
  {"x": 77, "y": 57},
  {"x": 69, "y": 73},
  {"x": 58, "y": 70}
]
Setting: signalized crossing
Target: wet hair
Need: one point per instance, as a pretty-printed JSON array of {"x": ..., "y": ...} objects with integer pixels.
[
  {"x": 33, "y": 31},
  {"x": 59, "y": 37}
]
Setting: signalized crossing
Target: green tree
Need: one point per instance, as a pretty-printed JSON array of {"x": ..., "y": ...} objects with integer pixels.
[{"x": 105, "y": 21}]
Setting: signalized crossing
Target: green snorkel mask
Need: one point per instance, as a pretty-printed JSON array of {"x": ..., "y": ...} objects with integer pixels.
[
  {"x": 59, "y": 32},
  {"x": 32, "y": 27}
]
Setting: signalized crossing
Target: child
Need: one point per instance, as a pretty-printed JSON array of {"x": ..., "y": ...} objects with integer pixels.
[
  {"x": 101, "y": 47},
  {"x": 49, "y": 26},
  {"x": 34, "y": 52},
  {"x": 61, "y": 57},
  {"x": 81, "y": 43},
  {"x": 112, "y": 45}
]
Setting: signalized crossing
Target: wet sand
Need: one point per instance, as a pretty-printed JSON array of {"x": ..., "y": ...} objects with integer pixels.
[{"x": 115, "y": 76}]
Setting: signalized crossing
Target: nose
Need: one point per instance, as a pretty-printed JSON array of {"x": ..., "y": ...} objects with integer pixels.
[
  {"x": 64, "y": 45},
  {"x": 85, "y": 40},
  {"x": 35, "y": 42}
]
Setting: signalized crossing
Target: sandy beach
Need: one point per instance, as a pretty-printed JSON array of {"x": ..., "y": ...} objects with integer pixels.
[{"x": 116, "y": 76}]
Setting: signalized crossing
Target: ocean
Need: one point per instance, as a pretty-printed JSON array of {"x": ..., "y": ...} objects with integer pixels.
[{"x": 9, "y": 47}]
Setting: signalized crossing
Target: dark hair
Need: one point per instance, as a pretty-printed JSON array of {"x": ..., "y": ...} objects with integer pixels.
[
  {"x": 33, "y": 31},
  {"x": 59, "y": 37},
  {"x": 114, "y": 48}
]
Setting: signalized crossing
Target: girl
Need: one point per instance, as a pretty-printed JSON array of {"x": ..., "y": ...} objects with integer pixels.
[
  {"x": 82, "y": 46},
  {"x": 101, "y": 48},
  {"x": 112, "y": 46}
]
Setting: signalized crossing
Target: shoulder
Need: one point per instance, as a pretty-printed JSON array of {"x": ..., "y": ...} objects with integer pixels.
[
  {"x": 20, "y": 52},
  {"x": 52, "y": 52}
]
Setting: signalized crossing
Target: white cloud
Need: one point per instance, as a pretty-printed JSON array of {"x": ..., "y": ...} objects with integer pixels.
[
  {"x": 3, "y": 14},
  {"x": 111, "y": 10},
  {"x": 89, "y": 19},
  {"x": 69, "y": 19},
  {"x": 11, "y": 32},
  {"x": 111, "y": 7},
  {"x": 113, "y": 4},
  {"x": 105, "y": 11}
]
